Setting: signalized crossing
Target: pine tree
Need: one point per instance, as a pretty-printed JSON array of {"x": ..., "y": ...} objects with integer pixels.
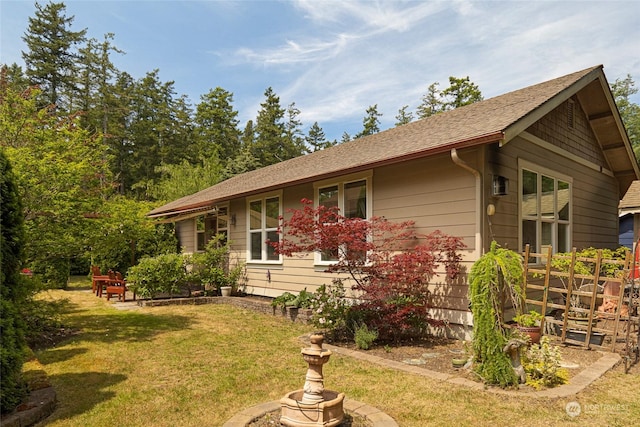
[
  {"x": 461, "y": 92},
  {"x": 316, "y": 139},
  {"x": 294, "y": 136},
  {"x": 431, "y": 103},
  {"x": 404, "y": 116},
  {"x": 51, "y": 61},
  {"x": 216, "y": 126},
  {"x": 270, "y": 131},
  {"x": 371, "y": 122}
]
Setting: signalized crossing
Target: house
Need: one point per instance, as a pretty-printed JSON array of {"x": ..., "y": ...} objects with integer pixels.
[
  {"x": 544, "y": 165},
  {"x": 629, "y": 211}
]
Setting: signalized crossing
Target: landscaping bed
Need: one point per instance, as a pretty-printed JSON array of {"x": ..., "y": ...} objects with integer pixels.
[{"x": 436, "y": 354}]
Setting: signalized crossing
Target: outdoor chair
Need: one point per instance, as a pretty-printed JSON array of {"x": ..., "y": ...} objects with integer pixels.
[
  {"x": 117, "y": 286},
  {"x": 98, "y": 280}
]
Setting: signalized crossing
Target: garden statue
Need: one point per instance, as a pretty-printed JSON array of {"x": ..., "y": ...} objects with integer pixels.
[{"x": 512, "y": 349}]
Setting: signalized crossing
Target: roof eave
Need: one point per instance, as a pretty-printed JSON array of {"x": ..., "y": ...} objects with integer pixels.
[{"x": 175, "y": 214}]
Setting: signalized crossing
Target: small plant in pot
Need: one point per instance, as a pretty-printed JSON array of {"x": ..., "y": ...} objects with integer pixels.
[{"x": 530, "y": 324}]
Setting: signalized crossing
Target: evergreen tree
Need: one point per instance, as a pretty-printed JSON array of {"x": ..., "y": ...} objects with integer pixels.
[
  {"x": 120, "y": 140},
  {"x": 345, "y": 137},
  {"x": 51, "y": 61},
  {"x": 244, "y": 161},
  {"x": 629, "y": 111},
  {"x": 248, "y": 137},
  {"x": 13, "y": 76},
  {"x": 404, "y": 116},
  {"x": 461, "y": 92},
  {"x": 316, "y": 139},
  {"x": 156, "y": 133},
  {"x": 12, "y": 327},
  {"x": 294, "y": 136},
  {"x": 270, "y": 142},
  {"x": 216, "y": 126},
  {"x": 97, "y": 75},
  {"x": 431, "y": 103},
  {"x": 371, "y": 122}
]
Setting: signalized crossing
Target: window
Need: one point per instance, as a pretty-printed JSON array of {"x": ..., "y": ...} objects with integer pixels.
[
  {"x": 210, "y": 225},
  {"x": 263, "y": 225},
  {"x": 351, "y": 198},
  {"x": 545, "y": 209},
  {"x": 200, "y": 234}
]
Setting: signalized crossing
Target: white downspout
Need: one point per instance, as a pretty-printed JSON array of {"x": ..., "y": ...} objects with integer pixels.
[{"x": 458, "y": 161}]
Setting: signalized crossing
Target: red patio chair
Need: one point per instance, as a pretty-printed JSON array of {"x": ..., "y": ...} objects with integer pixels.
[{"x": 117, "y": 286}]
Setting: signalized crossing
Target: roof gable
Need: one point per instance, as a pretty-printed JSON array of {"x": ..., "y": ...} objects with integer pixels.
[{"x": 497, "y": 119}]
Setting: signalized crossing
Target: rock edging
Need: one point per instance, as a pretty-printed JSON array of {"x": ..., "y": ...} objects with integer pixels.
[{"x": 39, "y": 405}]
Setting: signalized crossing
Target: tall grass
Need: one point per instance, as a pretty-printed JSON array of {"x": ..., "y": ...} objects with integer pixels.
[{"x": 200, "y": 365}]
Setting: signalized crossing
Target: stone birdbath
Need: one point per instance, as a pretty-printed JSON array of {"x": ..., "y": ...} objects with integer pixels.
[{"x": 313, "y": 405}]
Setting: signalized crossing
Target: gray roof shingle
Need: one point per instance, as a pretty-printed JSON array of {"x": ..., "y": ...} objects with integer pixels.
[{"x": 482, "y": 122}]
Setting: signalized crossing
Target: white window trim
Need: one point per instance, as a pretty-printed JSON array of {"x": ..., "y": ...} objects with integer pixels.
[
  {"x": 340, "y": 182},
  {"x": 541, "y": 170},
  {"x": 204, "y": 215},
  {"x": 262, "y": 198}
]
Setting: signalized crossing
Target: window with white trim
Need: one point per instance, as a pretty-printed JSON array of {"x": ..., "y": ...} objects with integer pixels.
[
  {"x": 210, "y": 225},
  {"x": 545, "y": 209},
  {"x": 351, "y": 197},
  {"x": 263, "y": 223}
]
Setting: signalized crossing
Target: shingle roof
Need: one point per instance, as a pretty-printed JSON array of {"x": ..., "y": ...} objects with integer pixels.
[
  {"x": 631, "y": 199},
  {"x": 479, "y": 123}
]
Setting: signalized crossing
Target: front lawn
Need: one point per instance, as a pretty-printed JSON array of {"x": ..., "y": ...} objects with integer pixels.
[{"x": 200, "y": 365}]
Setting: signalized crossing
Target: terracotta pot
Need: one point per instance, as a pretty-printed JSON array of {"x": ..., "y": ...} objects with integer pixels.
[{"x": 533, "y": 332}]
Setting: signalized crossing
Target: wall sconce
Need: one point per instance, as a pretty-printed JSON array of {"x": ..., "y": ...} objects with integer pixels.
[
  {"x": 233, "y": 219},
  {"x": 500, "y": 185}
]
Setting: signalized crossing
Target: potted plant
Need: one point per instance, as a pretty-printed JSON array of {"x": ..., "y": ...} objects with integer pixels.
[{"x": 530, "y": 324}]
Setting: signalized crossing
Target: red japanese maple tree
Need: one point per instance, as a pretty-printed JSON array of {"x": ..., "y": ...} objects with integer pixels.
[{"x": 390, "y": 263}]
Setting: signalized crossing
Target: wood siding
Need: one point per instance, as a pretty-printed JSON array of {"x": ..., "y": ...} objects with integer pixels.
[
  {"x": 594, "y": 193},
  {"x": 439, "y": 195}
]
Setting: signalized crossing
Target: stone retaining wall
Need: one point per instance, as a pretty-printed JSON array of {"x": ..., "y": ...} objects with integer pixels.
[{"x": 258, "y": 304}]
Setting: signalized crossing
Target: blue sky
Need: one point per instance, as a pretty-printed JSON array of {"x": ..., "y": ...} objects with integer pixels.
[{"x": 336, "y": 58}]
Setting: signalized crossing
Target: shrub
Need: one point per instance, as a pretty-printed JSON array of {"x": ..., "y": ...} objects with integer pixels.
[
  {"x": 211, "y": 267},
  {"x": 287, "y": 299},
  {"x": 330, "y": 309},
  {"x": 542, "y": 363},
  {"x": 163, "y": 274},
  {"x": 172, "y": 273},
  {"x": 365, "y": 337}
]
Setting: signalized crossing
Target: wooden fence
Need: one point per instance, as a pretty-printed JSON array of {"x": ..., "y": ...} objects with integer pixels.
[{"x": 584, "y": 297}]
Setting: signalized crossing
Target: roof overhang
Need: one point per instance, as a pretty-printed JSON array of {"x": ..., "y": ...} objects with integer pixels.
[
  {"x": 596, "y": 100},
  {"x": 183, "y": 213}
]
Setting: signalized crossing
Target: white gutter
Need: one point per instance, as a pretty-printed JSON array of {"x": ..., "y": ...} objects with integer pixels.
[{"x": 458, "y": 161}]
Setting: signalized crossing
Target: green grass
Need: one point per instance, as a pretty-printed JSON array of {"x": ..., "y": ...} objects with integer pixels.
[{"x": 200, "y": 365}]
